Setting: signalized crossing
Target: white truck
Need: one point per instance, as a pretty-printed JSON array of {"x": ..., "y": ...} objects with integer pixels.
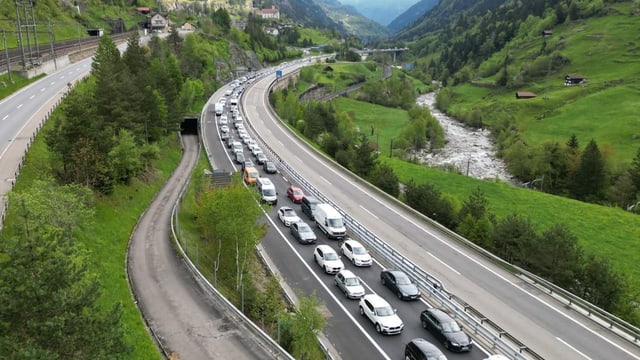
[
  {"x": 267, "y": 191},
  {"x": 330, "y": 222},
  {"x": 219, "y": 108}
]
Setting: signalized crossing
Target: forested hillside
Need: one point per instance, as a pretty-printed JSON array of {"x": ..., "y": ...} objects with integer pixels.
[{"x": 565, "y": 131}]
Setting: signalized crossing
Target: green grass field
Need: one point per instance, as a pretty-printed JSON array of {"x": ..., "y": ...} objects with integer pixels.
[
  {"x": 106, "y": 240},
  {"x": 608, "y": 232},
  {"x": 342, "y": 74},
  {"x": 604, "y": 109}
]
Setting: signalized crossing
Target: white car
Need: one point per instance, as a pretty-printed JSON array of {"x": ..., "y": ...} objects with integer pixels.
[
  {"x": 224, "y": 129},
  {"x": 224, "y": 120},
  {"x": 381, "y": 314},
  {"x": 349, "y": 284},
  {"x": 327, "y": 259},
  {"x": 356, "y": 253},
  {"x": 256, "y": 150},
  {"x": 287, "y": 215}
]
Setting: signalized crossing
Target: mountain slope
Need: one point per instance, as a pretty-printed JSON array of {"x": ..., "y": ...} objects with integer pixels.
[
  {"x": 352, "y": 21},
  {"x": 309, "y": 13},
  {"x": 411, "y": 15},
  {"x": 445, "y": 13}
]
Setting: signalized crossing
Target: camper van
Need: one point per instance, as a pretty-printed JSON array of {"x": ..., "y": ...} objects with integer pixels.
[
  {"x": 267, "y": 191},
  {"x": 330, "y": 221}
]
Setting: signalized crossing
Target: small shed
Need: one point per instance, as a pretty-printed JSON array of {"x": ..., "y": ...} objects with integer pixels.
[
  {"x": 525, "y": 95},
  {"x": 188, "y": 27},
  {"x": 571, "y": 80}
]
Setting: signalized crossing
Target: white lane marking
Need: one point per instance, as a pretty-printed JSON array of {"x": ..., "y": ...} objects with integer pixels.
[
  {"x": 325, "y": 180},
  {"x": 43, "y": 89},
  {"x": 370, "y": 213},
  {"x": 444, "y": 263},
  {"x": 52, "y": 83},
  {"x": 19, "y": 106},
  {"x": 31, "y": 97},
  {"x": 572, "y": 348},
  {"x": 284, "y": 132},
  {"x": 5, "y": 117},
  {"x": 329, "y": 292}
]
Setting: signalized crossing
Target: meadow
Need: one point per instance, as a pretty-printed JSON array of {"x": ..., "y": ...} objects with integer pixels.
[{"x": 107, "y": 238}]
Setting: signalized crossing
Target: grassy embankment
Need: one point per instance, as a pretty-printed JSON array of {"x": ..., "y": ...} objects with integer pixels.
[
  {"x": 604, "y": 51},
  {"x": 107, "y": 238},
  {"x": 607, "y": 232}
]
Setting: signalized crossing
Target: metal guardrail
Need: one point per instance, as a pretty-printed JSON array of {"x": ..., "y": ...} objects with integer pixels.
[
  {"x": 432, "y": 285},
  {"x": 240, "y": 318},
  {"x": 429, "y": 284}
]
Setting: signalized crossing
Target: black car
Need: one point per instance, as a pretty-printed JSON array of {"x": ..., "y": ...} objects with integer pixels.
[
  {"x": 421, "y": 349},
  {"x": 229, "y": 141},
  {"x": 446, "y": 330},
  {"x": 400, "y": 284},
  {"x": 269, "y": 167}
]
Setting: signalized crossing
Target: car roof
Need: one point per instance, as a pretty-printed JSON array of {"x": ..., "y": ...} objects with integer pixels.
[
  {"x": 426, "y": 347},
  {"x": 347, "y": 273},
  {"x": 283, "y": 208},
  {"x": 376, "y": 300},
  {"x": 439, "y": 314},
  {"x": 352, "y": 242},
  {"x": 396, "y": 273},
  {"x": 325, "y": 248}
]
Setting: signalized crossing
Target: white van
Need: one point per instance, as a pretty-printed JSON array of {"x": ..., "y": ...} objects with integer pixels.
[
  {"x": 330, "y": 221},
  {"x": 267, "y": 191}
]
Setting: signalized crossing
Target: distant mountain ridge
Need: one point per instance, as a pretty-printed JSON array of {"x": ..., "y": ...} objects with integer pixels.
[{"x": 412, "y": 14}]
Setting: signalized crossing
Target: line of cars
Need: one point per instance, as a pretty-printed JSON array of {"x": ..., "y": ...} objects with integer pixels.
[{"x": 373, "y": 306}]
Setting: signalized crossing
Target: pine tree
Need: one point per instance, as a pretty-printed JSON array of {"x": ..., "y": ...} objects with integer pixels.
[{"x": 590, "y": 179}]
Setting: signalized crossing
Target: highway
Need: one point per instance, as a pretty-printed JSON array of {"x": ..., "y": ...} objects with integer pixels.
[
  {"x": 532, "y": 317},
  {"x": 352, "y": 335}
]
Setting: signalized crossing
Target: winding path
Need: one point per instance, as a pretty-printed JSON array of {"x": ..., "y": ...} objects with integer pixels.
[{"x": 180, "y": 312}]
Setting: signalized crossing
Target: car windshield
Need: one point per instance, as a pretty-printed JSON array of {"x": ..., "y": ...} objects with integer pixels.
[
  {"x": 297, "y": 192},
  {"x": 289, "y": 213},
  {"x": 402, "y": 280},
  {"x": 330, "y": 256},
  {"x": 351, "y": 281},
  {"x": 335, "y": 222},
  {"x": 450, "y": 327},
  {"x": 359, "y": 250},
  {"x": 384, "y": 311},
  {"x": 304, "y": 228},
  {"x": 268, "y": 192}
]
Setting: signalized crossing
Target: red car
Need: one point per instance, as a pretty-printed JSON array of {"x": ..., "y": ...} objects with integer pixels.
[{"x": 295, "y": 194}]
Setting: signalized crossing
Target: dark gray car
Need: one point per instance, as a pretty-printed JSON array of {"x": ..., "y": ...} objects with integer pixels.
[
  {"x": 400, "y": 284},
  {"x": 446, "y": 330},
  {"x": 303, "y": 233}
]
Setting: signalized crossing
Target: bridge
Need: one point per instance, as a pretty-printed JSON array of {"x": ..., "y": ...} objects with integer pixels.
[{"x": 395, "y": 51}]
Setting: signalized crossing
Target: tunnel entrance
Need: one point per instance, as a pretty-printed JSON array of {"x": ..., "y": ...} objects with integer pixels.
[{"x": 190, "y": 125}]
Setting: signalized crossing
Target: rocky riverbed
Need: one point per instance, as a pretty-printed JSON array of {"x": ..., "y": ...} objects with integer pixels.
[{"x": 469, "y": 150}]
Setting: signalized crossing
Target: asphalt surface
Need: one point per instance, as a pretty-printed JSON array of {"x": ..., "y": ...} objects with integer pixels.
[
  {"x": 187, "y": 320},
  {"x": 183, "y": 315},
  {"x": 534, "y": 318},
  {"x": 349, "y": 335}
]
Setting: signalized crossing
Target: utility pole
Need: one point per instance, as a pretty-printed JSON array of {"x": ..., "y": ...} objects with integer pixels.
[
  {"x": 53, "y": 48},
  {"x": 6, "y": 54},
  {"x": 27, "y": 26}
]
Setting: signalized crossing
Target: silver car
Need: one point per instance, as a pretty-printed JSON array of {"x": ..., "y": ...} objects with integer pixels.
[{"x": 349, "y": 284}]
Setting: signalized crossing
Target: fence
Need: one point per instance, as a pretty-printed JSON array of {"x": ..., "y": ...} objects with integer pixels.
[{"x": 480, "y": 325}]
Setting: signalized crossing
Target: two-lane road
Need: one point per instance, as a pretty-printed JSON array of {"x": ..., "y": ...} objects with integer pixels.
[{"x": 552, "y": 331}]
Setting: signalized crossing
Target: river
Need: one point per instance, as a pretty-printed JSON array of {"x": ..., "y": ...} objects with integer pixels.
[{"x": 470, "y": 150}]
